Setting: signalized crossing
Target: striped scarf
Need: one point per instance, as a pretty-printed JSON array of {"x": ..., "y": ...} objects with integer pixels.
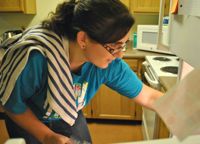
[{"x": 60, "y": 93}]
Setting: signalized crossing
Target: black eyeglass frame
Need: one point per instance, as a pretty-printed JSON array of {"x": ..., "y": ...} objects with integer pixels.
[{"x": 112, "y": 50}]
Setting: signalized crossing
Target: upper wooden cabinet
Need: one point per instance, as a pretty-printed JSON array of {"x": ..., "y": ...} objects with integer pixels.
[
  {"x": 151, "y": 6},
  {"x": 23, "y": 6},
  {"x": 126, "y": 2}
]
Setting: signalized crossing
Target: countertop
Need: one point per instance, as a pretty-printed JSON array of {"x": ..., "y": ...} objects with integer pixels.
[{"x": 135, "y": 53}]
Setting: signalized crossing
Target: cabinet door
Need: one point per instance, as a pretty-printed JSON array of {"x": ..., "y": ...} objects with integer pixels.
[
  {"x": 24, "y": 6},
  {"x": 11, "y": 5},
  {"x": 87, "y": 110},
  {"x": 108, "y": 104},
  {"x": 136, "y": 65},
  {"x": 145, "y": 6}
]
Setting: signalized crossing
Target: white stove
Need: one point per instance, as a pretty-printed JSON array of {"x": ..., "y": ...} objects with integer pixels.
[
  {"x": 164, "y": 65},
  {"x": 160, "y": 66},
  {"x": 156, "y": 67}
]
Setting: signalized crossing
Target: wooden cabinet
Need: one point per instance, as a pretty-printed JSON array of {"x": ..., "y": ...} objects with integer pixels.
[
  {"x": 146, "y": 6},
  {"x": 126, "y": 2},
  {"x": 151, "y": 6},
  {"x": 108, "y": 104},
  {"x": 23, "y": 6}
]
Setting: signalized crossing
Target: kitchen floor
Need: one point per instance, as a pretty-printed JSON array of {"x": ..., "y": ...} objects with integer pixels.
[
  {"x": 112, "y": 131},
  {"x": 103, "y": 131},
  {"x": 3, "y": 132}
]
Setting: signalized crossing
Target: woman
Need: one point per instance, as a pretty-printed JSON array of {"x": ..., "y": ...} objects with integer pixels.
[{"x": 51, "y": 71}]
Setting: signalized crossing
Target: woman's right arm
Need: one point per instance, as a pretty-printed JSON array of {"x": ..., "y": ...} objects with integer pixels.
[{"x": 31, "y": 124}]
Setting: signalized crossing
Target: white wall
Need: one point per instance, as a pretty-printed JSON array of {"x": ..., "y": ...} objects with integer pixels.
[{"x": 17, "y": 20}]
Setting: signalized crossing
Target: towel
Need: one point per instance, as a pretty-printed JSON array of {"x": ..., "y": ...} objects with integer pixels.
[
  {"x": 179, "y": 108},
  {"x": 60, "y": 93}
]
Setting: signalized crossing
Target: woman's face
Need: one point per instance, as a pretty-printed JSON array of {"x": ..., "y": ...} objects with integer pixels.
[{"x": 101, "y": 55}]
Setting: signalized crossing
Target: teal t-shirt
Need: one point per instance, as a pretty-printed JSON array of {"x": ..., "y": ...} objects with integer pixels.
[{"x": 31, "y": 86}]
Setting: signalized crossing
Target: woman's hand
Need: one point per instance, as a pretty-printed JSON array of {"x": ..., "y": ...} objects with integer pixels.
[{"x": 55, "y": 138}]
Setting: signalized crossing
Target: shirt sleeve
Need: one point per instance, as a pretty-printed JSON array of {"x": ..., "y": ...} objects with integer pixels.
[
  {"x": 121, "y": 78},
  {"x": 28, "y": 83}
]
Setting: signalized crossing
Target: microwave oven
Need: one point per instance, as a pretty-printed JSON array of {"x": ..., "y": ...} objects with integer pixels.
[{"x": 147, "y": 38}]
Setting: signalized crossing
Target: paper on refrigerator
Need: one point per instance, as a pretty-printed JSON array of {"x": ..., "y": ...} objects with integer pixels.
[{"x": 179, "y": 108}]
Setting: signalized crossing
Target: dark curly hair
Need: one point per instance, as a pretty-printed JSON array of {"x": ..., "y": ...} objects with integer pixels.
[{"x": 105, "y": 21}]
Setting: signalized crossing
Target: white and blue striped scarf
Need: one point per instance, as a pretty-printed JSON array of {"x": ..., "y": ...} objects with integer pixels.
[{"x": 60, "y": 93}]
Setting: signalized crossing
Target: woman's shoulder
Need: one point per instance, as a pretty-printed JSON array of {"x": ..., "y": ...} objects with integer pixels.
[
  {"x": 118, "y": 63},
  {"x": 36, "y": 56},
  {"x": 114, "y": 67},
  {"x": 36, "y": 61}
]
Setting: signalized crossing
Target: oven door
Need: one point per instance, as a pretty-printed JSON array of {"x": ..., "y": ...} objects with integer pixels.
[
  {"x": 149, "y": 116},
  {"x": 149, "y": 76}
]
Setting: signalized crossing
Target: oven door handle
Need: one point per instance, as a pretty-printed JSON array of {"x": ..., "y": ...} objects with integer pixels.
[{"x": 151, "y": 82}]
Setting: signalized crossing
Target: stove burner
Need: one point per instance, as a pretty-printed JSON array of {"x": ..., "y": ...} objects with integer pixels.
[
  {"x": 170, "y": 69},
  {"x": 162, "y": 59}
]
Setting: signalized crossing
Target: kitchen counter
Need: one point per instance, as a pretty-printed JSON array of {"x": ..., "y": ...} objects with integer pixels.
[{"x": 134, "y": 53}]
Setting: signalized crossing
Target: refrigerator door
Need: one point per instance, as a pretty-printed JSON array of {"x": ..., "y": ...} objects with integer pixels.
[{"x": 184, "y": 38}]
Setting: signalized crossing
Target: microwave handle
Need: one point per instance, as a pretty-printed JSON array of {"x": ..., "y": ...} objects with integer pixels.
[{"x": 151, "y": 82}]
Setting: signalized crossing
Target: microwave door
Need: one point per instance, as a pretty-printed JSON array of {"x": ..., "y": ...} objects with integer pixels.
[
  {"x": 149, "y": 40},
  {"x": 147, "y": 37}
]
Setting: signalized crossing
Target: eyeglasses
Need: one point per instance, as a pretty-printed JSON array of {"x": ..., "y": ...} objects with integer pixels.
[{"x": 114, "y": 48}]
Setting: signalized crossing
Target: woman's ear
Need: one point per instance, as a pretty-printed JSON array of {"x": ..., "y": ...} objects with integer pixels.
[{"x": 81, "y": 39}]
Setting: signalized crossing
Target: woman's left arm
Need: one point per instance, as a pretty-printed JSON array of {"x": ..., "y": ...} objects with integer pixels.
[
  {"x": 148, "y": 96},
  {"x": 120, "y": 77}
]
